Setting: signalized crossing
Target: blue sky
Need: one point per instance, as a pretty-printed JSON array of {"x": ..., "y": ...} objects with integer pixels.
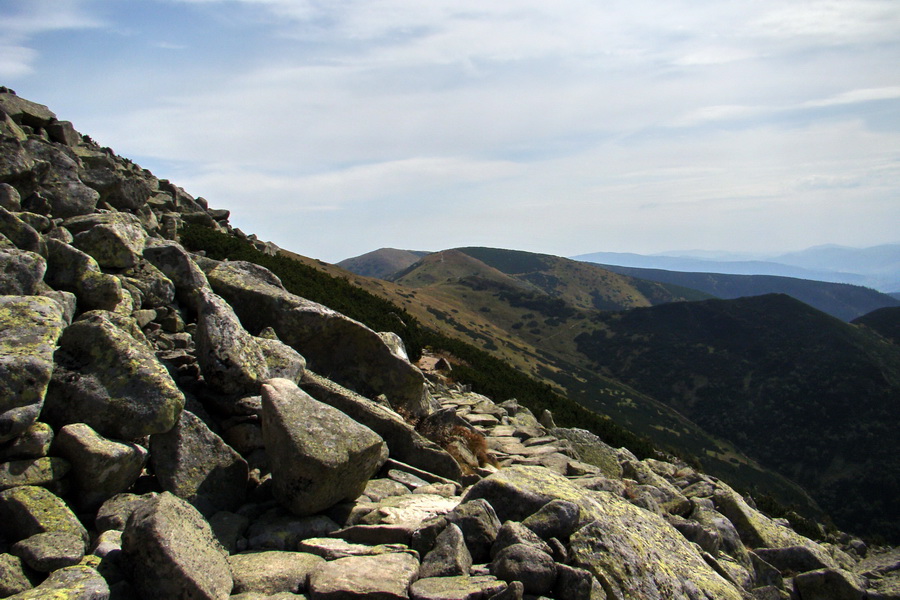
[{"x": 335, "y": 128}]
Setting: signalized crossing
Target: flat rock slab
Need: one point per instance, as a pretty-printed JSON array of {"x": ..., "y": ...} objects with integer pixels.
[
  {"x": 464, "y": 587},
  {"x": 273, "y": 571},
  {"x": 333, "y": 548},
  {"x": 385, "y": 577}
]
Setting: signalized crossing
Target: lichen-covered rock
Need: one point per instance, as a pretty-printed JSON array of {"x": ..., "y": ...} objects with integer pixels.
[
  {"x": 351, "y": 353},
  {"x": 636, "y": 554},
  {"x": 462, "y": 587},
  {"x": 758, "y": 531},
  {"x": 32, "y": 471},
  {"x": 15, "y": 575},
  {"x": 10, "y": 198},
  {"x": 29, "y": 510},
  {"x": 177, "y": 265},
  {"x": 557, "y": 518},
  {"x": 72, "y": 270},
  {"x": 78, "y": 582},
  {"x": 21, "y": 272},
  {"x": 830, "y": 584},
  {"x": 114, "y": 240},
  {"x": 51, "y": 550},
  {"x": 101, "y": 468},
  {"x": 272, "y": 571},
  {"x": 619, "y": 543},
  {"x": 155, "y": 288},
  {"x": 479, "y": 524},
  {"x": 591, "y": 449},
  {"x": 60, "y": 184},
  {"x": 232, "y": 360},
  {"x": 521, "y": 562},
  {"x": 449, "y": 557},
  {"x": 404, "y": 442},
  {"x": 34, "y": 442},
  {"x": 195, "y": 464},
  {"x": 26, "y": 112},
  {"x": 20, "y": 233},
  {"x": 174, "y": 553},
  {"x": 318, "y": 455},
  {"x": 513, "y": 532},
  {"x": 111, "y": 380},
  {"x": 29, "y": 329},
  {"x": 386, "y": 577}
]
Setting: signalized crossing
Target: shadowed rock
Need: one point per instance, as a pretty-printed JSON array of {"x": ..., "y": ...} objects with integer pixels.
[{"x": 318, "y": 455}]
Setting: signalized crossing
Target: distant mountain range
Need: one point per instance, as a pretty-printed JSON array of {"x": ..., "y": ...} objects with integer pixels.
[
  {"x": 841, "y": 300},
  {"x": 877, "y": 267}
]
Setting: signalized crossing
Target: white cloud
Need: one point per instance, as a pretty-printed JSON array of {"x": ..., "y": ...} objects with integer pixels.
[{"x": 22, "y": 20}]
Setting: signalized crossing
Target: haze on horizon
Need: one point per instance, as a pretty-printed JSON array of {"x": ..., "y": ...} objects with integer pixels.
[{"x": 566, "y": 128}]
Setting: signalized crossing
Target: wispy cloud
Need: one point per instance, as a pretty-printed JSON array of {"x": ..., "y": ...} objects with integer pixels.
[
  {"x": 22, "y": 20},
  {"x": 545, "y": 125}
]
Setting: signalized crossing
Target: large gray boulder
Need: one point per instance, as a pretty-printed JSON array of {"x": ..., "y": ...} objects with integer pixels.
[
  {"x": 26, "y": 112},
  {"x": 759, "y": 531},
  {"x": 349, "y": 352},
  {"x": 101, "y": 468},
  {"x": 21, "y": 272},
  {"x": 404, "y": 442},
  {"x": 176, "y": 264},
  {"x": 109, "y": 378},
  {"x": 195, "y": 464},
  {"x": 29, "y": 329},
  {"x": 59, "y": 184},
  {"x": 72, "y": 270},
  {"x": 318, "y": 455},
  {"x": 20, "y": 233},
  {"x": 114, "y": 240},
  {"x": 174, "y": 553},
  {"x": 232, "y": 360}
]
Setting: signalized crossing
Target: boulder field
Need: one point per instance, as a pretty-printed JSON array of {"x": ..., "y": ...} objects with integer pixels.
[{"x": 177, "y": 427}]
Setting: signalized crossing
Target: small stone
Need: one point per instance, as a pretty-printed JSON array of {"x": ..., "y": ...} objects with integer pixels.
[
  {"x": 557, "y": 518},
  {"x": 449, "y": 557},
  {"x": 519, "y": 562},
  {"x": 47, "y": 552}
]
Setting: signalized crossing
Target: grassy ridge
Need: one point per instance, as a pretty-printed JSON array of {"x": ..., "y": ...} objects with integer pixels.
[{"x": 486, "y": 374}]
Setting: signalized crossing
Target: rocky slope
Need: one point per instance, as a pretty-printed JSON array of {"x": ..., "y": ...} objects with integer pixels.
[{"x": 177, "y": 427}]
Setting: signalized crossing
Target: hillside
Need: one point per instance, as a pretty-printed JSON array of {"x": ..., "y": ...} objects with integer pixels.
[
  {"x": 884, "y": 321},
  {"x": 844, "y": 301},
  {"x": 815, "y": 398},
  {"x": 381, "y": 263}
]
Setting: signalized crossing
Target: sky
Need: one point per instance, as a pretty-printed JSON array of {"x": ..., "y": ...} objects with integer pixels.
[{"x": 566, "y": 127}]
